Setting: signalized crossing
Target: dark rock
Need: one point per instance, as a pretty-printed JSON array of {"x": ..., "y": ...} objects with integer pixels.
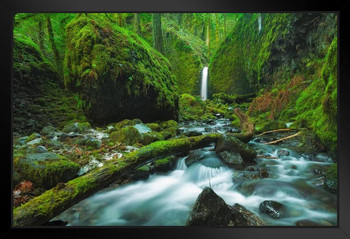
[
  {"x": 231, "y": 143},
  {"x": 77, "y": 127},
  {"x": 165, "y": 164},
  {"x": 232, "y": 159},
  {"x": 209, "y": 130},
  {"x": 140, "y": 173},
  {"x": 264, "y": 173},
  {"x": 244, "y": 217},
  {"x": 193, "y": 156},
  {"x": 273, "y": 209},
  {"x": 210, "y": 209},
  {"x": 47, "y": 130},
  {"x": 283, "y": 152},
  {"x": 193, "y": 133},
  {"x": 319, "y": 182},
  {"x": 41, "y": 149}
]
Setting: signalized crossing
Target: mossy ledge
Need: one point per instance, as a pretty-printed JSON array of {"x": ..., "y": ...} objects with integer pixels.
[
  {"x": 54, "y": 201},
  {"x": 117, "y": 73}
]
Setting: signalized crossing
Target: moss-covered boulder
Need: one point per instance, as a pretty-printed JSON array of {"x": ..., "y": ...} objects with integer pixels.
[
  {"x": 39, "y": 98},
  {"x": 46, "y": 169},
  {"x": 117, "y": 73},
  {"x": 77, "y": 127},
  {"x": 128, "y": 135},
  {"x": 151, "y": 137}
]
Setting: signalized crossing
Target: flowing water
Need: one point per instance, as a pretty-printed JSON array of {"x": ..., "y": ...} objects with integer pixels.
[
  {"x": 166, "y": 199},
  {"x": 204, "y": 83}
]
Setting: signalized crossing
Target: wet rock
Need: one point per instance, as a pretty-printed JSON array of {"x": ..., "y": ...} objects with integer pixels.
[
  {"x": 140, "y": 173},
  {"x": 77, "y": 127},
  {"x": 48, "y": 130},
  {"x": 90, "y": 142},
  {"x": 283, "y": 152},
  {"x": 318, "y": 182},
  {"x": 232, "y": 159},
  {"x": 264, "y": 173},
  {"x": 165, "y": 164},
  {"x": 41, "y": 149},
  {"x": 232, "y": 144},
  {"x": 65, "y": 136},
  {"x": 273, "y": 209},
  {"x": 209, "y": 130},
  {"x": 193, "y": 133},
  {"x": 193, "y": 156},
  {"x": 244, "y": 217},
  {"x": 210, "y": 209}
]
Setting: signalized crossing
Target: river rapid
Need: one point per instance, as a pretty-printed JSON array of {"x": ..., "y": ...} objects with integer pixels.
[{"x": 166, "y": 199}]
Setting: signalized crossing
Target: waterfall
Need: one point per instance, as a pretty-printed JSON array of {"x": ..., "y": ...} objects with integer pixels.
[
  {"x": 204, "y": 83},
  {"x": 259, "y": 22}
]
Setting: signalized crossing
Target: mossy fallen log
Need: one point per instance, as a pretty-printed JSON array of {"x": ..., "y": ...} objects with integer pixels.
[{"x": 54, "y": 201}]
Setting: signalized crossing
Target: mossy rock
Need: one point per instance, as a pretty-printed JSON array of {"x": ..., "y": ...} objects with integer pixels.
[
  {"x": 151, "y": 137},
  {"x": 39, "y": 96},
  {"x": 128, "y": 135},
  {"x": 168, "y": 124},
  {"x": 154, "y": 127},
  {"x": 46, "y": 169},
  {"x": 165, "y": 164},
  {"x": 117, "y": 73},
  {"x": 77, "y": 127}
]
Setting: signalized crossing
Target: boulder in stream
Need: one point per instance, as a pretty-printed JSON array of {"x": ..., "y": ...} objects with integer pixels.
[
  {"x": 273, "y": 209},
  {"x": 228, "y": 142},
  {"x": 210, "y": 209}
]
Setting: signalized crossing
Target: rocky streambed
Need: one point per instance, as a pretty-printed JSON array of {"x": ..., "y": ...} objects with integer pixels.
[{"x": 281, "y": 186}]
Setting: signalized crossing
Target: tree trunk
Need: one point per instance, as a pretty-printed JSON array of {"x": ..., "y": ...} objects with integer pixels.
[
  {"x": 54, "y": 47},
  {"x": 157, "y": 32},
  {"x": 137, "y": 24},
  {"x": 41, "y": 36},
  {"x": 54, "y": 201}
]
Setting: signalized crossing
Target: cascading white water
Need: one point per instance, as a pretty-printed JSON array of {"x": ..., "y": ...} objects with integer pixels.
[
  {"x": 259, "y": 22},
  {"x": 204, "y": 83},
  {"x": 166, "y": 199}
]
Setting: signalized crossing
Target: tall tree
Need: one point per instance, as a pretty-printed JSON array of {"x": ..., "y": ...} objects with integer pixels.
[
  {"x": 137, "y": 24},
  {"x": 41, "y": 34},
  {"x": 157, "y": 32},
  {"x": 53, "y": 46}
]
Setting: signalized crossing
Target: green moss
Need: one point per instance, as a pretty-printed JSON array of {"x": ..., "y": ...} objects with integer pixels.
[
  {"x": 46, "y": 169},
  {"x": 317, "y": 104},
  {"x": 128, "y": 135},
  {"x": 154, "y": 126},
  {"x": 77, "y": 127},
  {"x": 103, "y": 55}
]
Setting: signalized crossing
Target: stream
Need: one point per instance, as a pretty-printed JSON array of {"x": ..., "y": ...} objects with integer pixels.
[{"x": 166, "y": 199}]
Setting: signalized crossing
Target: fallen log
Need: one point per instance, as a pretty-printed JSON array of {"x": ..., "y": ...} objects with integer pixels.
[
  {"x": 279, "y": 140},
  {"x": 52, "y": 202},
  {"x": 274, "y": 131}
]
